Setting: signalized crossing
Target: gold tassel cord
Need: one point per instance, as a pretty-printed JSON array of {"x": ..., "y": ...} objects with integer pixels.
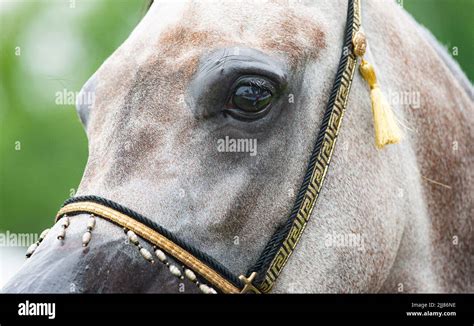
[{"x": 385, "y": 124}]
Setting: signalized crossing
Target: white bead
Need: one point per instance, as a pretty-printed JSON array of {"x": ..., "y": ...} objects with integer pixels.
[
  {"x": 43, "y": 235},
  {"x": 31, "y": 249},
  {"x": 62, "y": 234},
  {"x": 175, "y": 270},
  {"x": 190, "y": 275},
  {"x": 65, "y": 221},
  {"x": 161, "y": 255},
  {"x": 213, "y": 291},
  {"x": 86, "y": 238},
  {"x": 205, "y": 289},
  {"x": 91, "y": 222},
  {"x": 146, "y": 254},
  {"x": 132, "y": 237}
]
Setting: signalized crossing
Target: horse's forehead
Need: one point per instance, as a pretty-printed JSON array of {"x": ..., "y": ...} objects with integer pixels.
[
  {"x": 266, "y": 25},
  {"x": 174, "y": 36}
]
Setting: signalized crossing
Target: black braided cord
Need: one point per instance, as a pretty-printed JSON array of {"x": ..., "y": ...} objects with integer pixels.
[
  {"x": 276, "y": 241},
  {"x": 208, "y": 260}
]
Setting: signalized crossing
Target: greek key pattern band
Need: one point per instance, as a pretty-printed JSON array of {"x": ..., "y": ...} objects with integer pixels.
[{"x": 320, "y": 168}]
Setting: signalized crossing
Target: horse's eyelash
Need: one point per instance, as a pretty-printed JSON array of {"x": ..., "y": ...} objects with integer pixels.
[{"x": 261, "y": 84}]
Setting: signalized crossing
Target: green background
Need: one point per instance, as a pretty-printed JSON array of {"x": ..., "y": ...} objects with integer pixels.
[{"x": 61, "y": 47}]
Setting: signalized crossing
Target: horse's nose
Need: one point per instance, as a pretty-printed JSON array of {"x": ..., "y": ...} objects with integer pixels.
[{"x": 110, "y": 263}]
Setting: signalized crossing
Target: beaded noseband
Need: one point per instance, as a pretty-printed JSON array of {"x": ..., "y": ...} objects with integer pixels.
[{"x": 264, "y": 273}]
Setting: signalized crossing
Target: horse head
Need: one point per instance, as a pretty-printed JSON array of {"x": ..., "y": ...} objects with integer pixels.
[{"x": 204, "y": 120}]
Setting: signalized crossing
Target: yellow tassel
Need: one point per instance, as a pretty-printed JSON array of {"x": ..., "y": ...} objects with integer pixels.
[{"x": 385, "y": 124}]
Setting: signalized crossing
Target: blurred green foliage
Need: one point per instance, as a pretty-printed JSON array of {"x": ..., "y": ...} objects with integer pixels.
[
  {"x": 43, "y": 149},
  {"x": 452, "y": 23}
]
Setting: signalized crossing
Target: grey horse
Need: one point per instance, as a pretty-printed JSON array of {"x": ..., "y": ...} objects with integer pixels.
[{"x": 162, "y": 107}]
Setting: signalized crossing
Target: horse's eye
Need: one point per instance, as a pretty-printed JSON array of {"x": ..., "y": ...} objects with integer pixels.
[{"x": 251, "y": 98}]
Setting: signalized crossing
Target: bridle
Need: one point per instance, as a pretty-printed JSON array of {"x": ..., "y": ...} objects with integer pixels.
[
  {"x": 261, "y": 277},
  {"x": 264, "y": 273}
]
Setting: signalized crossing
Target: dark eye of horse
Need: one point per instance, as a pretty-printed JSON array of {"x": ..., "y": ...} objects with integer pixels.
[{"x": 251, "y": 98}]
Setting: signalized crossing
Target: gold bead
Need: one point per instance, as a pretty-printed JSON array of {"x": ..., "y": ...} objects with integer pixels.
[{"x": 360, "y": 43}]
